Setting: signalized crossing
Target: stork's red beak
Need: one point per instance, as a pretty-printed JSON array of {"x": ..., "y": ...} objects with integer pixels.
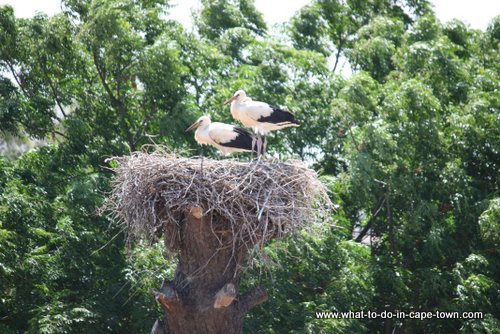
[
  {"x": 194, "y": 125},
  {"x": 230, "y": 100}
]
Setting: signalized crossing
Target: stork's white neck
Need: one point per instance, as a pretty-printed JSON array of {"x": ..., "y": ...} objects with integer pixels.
[{"x": 201, "y": 134}]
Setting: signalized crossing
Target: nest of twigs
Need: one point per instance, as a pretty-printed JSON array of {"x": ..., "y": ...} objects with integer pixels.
[{"x": 259, "y": 200}]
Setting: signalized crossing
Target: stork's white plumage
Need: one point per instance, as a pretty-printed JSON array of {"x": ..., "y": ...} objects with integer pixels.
[
  {"x": 259, "y": 116},
  {"x": 224, "y": 137}
]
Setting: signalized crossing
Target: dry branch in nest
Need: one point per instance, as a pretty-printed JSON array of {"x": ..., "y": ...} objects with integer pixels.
[{"x": 260, "y": 199}]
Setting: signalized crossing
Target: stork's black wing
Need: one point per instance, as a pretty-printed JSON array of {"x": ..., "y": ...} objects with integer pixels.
[
  {"x": 279, "y": 116},
  {"x": 243, "y": 139}
]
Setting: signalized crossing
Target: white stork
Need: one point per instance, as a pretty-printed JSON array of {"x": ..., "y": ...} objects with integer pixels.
[
  {"x": 259, "y": 116},
  {"x": 224, "y": 137}
]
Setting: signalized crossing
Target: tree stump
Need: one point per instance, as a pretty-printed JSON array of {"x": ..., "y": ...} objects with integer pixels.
[
  {"x": 203, "y": 297},
  {"x": 212, "y": 214}
]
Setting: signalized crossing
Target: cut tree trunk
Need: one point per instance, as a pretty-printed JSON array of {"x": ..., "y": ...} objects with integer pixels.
[
  {"x": 212, "y": 214},
  {"x": 203, "y": 297}
]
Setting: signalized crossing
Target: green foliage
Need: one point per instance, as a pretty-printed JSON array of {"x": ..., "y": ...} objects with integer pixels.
[
  {"x": 422, "y": 148},
  {"x": 489, "y": 223},
  {"x": 53, "y": 277},
  {"x": 313, "y": 274},
  {"x": 329, "y": 27},
  {"x": 218, "y": 16},
  {"x": 408, "y": 145},
  {"x": 145, "y": 271},
  {"x": 376, "y": 45}
]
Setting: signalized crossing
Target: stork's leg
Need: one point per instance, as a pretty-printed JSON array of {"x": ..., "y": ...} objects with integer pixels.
[
  {"x": 259, "y": 145},
  {"x": 264, "y": 147},
  {"x": 254, "y": 140}
]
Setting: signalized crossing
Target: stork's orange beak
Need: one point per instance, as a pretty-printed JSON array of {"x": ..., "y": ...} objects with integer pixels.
[
  {"x": 230, "y": 100},
  {"x": 194, "y": 125}
]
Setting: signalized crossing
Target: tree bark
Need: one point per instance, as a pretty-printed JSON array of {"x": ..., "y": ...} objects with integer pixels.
[{"x": 203, "y": 297}]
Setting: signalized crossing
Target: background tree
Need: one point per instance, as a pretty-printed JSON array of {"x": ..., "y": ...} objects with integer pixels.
[{"x": 408, "y": 143}]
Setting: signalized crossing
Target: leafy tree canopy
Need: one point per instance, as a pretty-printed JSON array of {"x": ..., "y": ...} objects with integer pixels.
[{"x": 408, "y": 144}]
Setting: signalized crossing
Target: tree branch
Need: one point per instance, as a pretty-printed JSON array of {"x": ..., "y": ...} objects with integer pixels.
[
  {"x": 102, "y": 77},
  {"x": 225, "y": 296},
  {"x": 365, "y": 230},
  {"x": 158, "y": 327},
  {"x": 70, "y": 178},
  {"x": 358, "y": 148},
  {"x": 392, "y": 237},
  {"x": 56, "y": 95},
  {"x": 141, "y": 130},
  {"x": 60, "y": 134},
  {"x": 117, "y": 104},
  {"x": 167, "y": 296},
  {"x": 253, "y": 298},
  {"x": 18, "y": 81},
  {"x": 196, "y": 211},
  {"x": 339, "y": 51}
]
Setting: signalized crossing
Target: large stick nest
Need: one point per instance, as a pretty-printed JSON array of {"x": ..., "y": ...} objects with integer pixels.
[{"x": 260, "y": 200}]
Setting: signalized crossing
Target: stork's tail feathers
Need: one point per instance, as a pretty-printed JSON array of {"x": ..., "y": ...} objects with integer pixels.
[{"x": 294, "y": 122}]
